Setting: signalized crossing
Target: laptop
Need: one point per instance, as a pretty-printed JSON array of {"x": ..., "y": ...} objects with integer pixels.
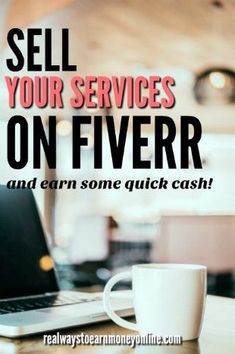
[{"x": 30, "y": 299}]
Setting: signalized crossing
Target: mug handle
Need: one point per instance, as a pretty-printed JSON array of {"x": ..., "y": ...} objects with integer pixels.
[{"x": 107, "y": 303}]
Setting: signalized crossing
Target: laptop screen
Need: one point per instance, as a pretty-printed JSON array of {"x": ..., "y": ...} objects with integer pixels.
[{"x": 25, "y": 263}]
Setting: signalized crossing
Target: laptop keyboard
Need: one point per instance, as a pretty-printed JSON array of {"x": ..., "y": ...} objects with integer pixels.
[{"x": 40, "y": 302}]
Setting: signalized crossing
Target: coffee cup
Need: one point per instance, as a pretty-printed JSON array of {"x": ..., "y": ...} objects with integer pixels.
[{"x": 169, "y": 299}]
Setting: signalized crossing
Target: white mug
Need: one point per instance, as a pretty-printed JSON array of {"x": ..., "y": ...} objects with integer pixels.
[{"x": 169, "y": 299}]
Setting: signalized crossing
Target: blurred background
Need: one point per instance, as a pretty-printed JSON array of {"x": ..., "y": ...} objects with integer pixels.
[{"x": 94, "y": 234}]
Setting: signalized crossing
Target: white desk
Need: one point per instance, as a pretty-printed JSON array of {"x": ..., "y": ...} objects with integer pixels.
[{"x": 217, "y": 337}]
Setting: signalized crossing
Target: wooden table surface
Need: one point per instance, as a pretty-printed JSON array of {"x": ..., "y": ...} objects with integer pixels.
[{"x": 217, "y": 337}]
